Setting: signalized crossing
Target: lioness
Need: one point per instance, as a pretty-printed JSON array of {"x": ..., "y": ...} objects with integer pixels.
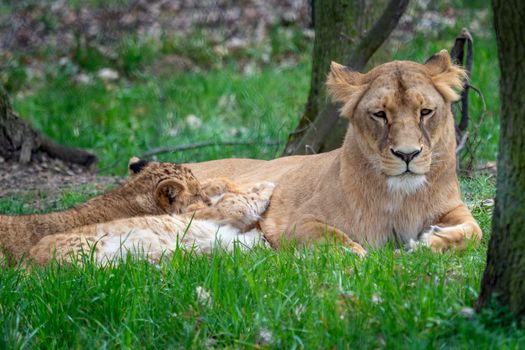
[{"x": 394, "y": 176}]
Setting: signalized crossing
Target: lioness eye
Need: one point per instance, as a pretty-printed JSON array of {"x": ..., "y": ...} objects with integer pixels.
[
  {"x": 424, "y": 112},
  {"x": 380, "y": 115}
]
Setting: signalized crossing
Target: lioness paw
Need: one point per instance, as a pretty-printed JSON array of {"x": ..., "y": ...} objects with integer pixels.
[
  {"x": 440, "y": 239},
  {"x": 358, "y": 249}
]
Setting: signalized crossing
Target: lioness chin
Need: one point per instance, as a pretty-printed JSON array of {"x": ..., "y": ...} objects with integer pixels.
[{"x": 394, "y": 178}]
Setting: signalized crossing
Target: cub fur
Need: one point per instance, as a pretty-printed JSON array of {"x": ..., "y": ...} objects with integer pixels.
[
  {"x": 153, "y": 188},
  {"x": 232, "y": 218}
]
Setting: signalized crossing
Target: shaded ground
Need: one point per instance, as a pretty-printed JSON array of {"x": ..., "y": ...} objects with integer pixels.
[
  {"x": 49, "y": 176},
  {"x": 29, "y": 27}
]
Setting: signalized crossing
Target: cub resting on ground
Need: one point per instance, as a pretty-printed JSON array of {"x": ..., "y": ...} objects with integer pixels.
[
  {"x": 149, "y": 191},
  {"x": 154, "y": 236},
  {"x": 394, "y": 178}
]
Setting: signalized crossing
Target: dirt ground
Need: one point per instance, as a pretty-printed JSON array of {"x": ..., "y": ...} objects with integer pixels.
[
  {"x": 30, "y": 26},
  {"x": 50, "y": 177}
]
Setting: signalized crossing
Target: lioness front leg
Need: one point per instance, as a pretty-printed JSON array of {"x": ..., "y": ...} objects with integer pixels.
[
  {"x": 452, "y": 230},
  {"x": 310, "y": 231}
]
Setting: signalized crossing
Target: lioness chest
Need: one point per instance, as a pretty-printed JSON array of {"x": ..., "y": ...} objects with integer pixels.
[
  {"x": 391, "y": 220},
  {"x": 370, "y": 220}
]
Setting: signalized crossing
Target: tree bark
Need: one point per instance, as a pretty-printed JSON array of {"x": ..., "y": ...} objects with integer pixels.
[
  {"x": 504, "y": 277},
  {"x": 342, "y": 34},
  {"x": 18, "y": 140}
]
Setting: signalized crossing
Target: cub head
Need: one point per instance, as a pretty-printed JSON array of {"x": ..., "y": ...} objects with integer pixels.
[
  {"x": 161, "y": 188},
  {"x": 400, "y": 115}
]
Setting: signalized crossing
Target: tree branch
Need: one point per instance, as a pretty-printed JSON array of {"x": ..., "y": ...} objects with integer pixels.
[
  {"x": 326, "y": 130},
  {"x": 204, "y": 144},
  {"x": 65, "y": 153},
  {"x": 375, "y": 37},
  {"x": 457, "y": 55}
]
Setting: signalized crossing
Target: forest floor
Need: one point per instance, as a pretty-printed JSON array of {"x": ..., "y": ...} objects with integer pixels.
[{"x": 47, "y": 175}]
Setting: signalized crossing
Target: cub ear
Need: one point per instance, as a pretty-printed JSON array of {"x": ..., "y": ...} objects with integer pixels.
[
  {"x": 135, "y": 165},
  {"x": 167, "y": 192},
  {"x": 346, "y": 86},
  {"x": 447, "y": 77}
]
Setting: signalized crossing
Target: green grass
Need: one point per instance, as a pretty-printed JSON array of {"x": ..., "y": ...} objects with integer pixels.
[
  {"x": 294, "y": 298},
  {"x": 118, "y": 121}
]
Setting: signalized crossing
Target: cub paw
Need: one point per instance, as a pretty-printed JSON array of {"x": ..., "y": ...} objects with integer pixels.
[
  {"x": 218, "y": 186},
  {"x": 264, "y": 189}
]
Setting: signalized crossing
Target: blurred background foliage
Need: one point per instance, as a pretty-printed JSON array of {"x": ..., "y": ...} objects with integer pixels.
[{"x": 122, "y": 77}]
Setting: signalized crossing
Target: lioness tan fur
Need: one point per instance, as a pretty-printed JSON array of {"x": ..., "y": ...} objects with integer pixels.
[
  {"x": 151, "y": 190},
  {"x": 394, "y": 177},
  {"x": 155, "y": 236}
]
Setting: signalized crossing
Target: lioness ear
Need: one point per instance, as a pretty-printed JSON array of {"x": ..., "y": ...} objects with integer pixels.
[
  {"x": 447, "y": 77},
  {"x": 346, "y": 86},
  {"x": 135, "y": 165},
  {"x": 167, "y": 192}
]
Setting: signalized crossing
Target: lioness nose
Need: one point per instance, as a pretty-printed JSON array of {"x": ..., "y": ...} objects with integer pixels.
[{"x": 405, "y": 156}]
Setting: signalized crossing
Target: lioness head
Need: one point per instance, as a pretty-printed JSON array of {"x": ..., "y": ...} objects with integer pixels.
[
  {"x": 399, "y": 112},
  {"x": 165, "y": 187}
]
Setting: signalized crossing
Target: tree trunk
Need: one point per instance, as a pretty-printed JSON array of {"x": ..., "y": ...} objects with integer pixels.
[
  {"x": 342, "y": 34},
  {"x": 18, "y": 140},
  {"x": 504, "y": 277}
]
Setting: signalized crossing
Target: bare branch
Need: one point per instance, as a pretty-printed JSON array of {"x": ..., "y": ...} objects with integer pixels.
[
  {"x": 19, "y": 140},
  {"x": 320, "y": 126},
  {"x": 204, "y": 144},
  {"x": 462, "y": 142},
  {"x": 458, "y": 57},
  {"x": 484, "y": 108},
  {"x": 471, "y": 144},
  {"x": 65, "y": 153},
  {"x": 378, "y": 34}
]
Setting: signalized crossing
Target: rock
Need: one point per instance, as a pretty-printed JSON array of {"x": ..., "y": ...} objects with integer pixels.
[
  {"x": 83, "y": 79},
  {"x": 193, "y": 121},
  {"x": 108, "y": 75},
  {"x": 203, "y": 296},
  {"x": 467, "y": 312},
  {"x": 265, "y": 336},
  {"x": 488, "y": 203}
]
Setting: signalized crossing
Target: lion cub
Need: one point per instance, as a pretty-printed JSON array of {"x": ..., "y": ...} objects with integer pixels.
[
  {"x": 150, "y": 190},
  {"x": 231, "y": 218}
]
